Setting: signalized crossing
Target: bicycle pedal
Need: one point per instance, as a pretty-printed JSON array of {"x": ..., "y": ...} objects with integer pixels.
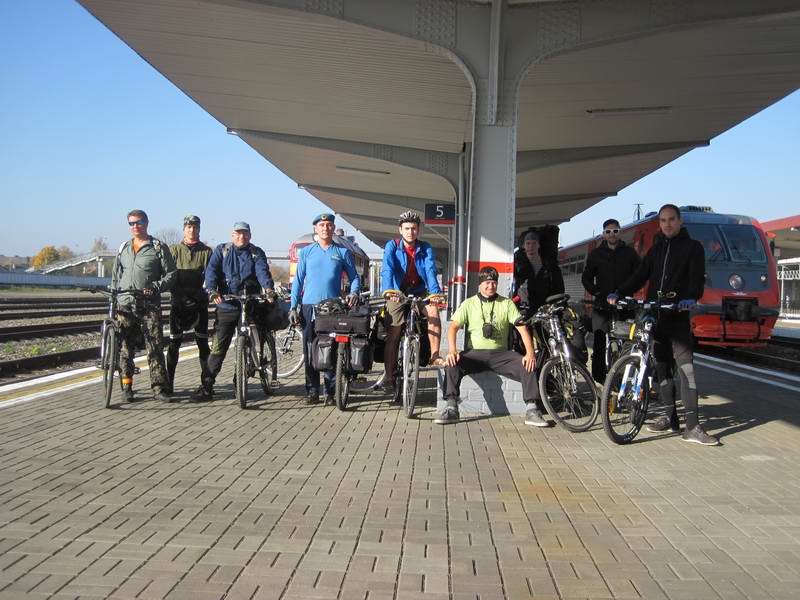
[{"x": 136, "y": 370}]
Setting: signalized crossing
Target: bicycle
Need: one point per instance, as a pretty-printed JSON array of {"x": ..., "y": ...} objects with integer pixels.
[
  {"x": 631, "y": 380},
  {"x": 250, "y": 359},
  {"x": 288, "y": 354},
  {"x": 566, "y": 386},
  {"x": 350, "y": 331},
  {"x": 406, "y": 373},
  {"x": 110, "y": 342}
]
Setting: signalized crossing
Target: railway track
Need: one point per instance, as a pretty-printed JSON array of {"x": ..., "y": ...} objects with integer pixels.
[{"x": 46, "y": 330}]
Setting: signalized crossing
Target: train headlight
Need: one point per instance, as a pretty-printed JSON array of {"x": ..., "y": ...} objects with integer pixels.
[
  {"x": 764, "y": 278},
  {"x": 736, "y": 281}
]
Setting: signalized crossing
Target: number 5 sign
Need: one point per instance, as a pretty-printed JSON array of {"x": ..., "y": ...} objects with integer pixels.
[{"x": 440, "y": 214}]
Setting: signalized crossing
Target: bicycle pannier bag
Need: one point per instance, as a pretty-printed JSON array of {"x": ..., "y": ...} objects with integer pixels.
[
  {"x": 322, "y": 349},
  {"x": 360, "y": 354},
  {"x": 377, "y": 340},
  {"x": 277, "y": 317}
]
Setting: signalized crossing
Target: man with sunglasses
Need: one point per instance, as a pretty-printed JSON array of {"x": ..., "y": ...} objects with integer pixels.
[
  {"x": 607, "y": 267},
  {"x": 487, "y": 318},
  {"x": 143, "y": 263}
]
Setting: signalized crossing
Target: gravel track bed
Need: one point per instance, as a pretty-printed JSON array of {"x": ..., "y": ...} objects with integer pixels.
[
  {"x": 27, "y": 348},
  {"x": 51, "y": 320}
]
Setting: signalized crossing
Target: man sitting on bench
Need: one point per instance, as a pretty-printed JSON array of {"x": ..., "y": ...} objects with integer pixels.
[{"x": 488, "y": 318}]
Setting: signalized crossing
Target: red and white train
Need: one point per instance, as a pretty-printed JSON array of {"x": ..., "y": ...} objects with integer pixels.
[{"x": 740, "y": 303}]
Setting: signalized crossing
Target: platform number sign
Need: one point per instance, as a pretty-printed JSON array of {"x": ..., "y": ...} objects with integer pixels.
[{"x": 440, "y": 214}]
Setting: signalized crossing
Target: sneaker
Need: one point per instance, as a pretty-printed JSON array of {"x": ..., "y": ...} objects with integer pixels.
[
  {"x": 449, "y": 414},
  {"x": 329, "y": 398},
  {"x": 313, "y": 397},
  {"x": 699, "y": 436},
  {"x": 202, "y": 394},
  {"x": 665, "y": 423},
  {"x": 127, "y": 391},
  {"x": 162, "y": 396},
  {"x": 533, "y": 416}
]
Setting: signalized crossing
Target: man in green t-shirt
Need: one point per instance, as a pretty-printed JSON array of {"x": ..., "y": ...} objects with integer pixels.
[{"x": 488, "y": 319}]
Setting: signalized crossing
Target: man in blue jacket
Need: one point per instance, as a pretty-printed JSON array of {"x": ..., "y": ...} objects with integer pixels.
[
  {"x": 234, "y": 268},
  {"x": 318, "y": 278},
  {"x": 409, "y": 268}
]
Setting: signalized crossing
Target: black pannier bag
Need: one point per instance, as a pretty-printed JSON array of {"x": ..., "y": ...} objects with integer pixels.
[
  {"x": 360, "y": 355},
  {"x": 424, "y": 344},
  {"x": 342, "y": 323},
  {"x": 322, "y": 349},
  {"x": 377, "y": 338}
]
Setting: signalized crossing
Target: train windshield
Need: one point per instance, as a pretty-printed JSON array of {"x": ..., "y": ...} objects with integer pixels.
[
  {"x": 743, "y": 243},
  {"x": 723, "y": 243}
]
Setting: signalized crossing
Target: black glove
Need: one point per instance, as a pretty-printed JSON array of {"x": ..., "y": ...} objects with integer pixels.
[
  {"x": 351, "y": 299},
  {"x": 294, "y": 317},
  {"x": 270, "y": 296}
]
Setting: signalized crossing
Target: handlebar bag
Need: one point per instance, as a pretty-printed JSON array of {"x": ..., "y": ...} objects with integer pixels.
[
  {"x": 342, "y": 323},
  {"x": 360, "y": 355},
  {"x": 322, "y": 349},
  {"x": 276, "y": 317}
]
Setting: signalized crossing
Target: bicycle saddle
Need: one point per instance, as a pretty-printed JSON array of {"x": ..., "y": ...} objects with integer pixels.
[{"x": 556, "y": 298}]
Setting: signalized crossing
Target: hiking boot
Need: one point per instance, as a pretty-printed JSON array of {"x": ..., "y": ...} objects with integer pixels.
[
  {"x": 330, "y": 399},
  {"x": 699, "y": 436},
  {"x": 127, "y": 392},
  {"x": 313, "y": 397},
  {"x": 202, "y": 394},
  {"x": 533, "y": 416},
  {"x": 665, "y": 423},
  {"x": 449, "y": 414},
  {"x": 162, "y": 396}
]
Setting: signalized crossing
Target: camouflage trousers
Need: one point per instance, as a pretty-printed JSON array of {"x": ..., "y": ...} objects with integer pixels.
[{"x": 146, "y": 323}]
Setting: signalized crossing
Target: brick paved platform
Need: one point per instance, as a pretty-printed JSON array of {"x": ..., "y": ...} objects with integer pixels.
[{"x": 287, "y": 501}]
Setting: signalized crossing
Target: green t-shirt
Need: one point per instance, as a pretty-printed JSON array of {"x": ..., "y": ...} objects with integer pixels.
[{"x": 473, "y": 313}]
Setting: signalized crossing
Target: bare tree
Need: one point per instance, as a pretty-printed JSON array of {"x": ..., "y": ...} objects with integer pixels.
[
  {"x": 65, "y": 253},
  {"x": 169, "y": 235},
  {"x": 100, "y": 244}
]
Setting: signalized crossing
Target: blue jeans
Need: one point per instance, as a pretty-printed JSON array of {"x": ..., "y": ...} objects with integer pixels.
[{"x": 312, "y": 375}]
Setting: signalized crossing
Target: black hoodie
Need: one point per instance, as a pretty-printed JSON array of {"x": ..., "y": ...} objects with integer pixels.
[{"x": 676, "y": 264}]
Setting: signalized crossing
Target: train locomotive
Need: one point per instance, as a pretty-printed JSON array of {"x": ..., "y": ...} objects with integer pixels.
[{"x": 740, "y": 303}]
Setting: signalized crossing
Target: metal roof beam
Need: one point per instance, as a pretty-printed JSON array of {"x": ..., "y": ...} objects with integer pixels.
[
  {"x": 407, "y": 202},
  {"x": 530, "y": 160},
  {"x": 444, "y": 164},
  {"x": 537, "y": 201}
]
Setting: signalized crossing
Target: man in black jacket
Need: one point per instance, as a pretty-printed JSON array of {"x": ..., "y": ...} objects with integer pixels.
[
  {"x": 675, "y": 264},
  {"x": 536, "y": 274},
  {"x": 607, "y": 267}
]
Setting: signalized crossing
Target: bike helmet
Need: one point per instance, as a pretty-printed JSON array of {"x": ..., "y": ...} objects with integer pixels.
[
  {"x": 331, "y": 306},
  {"x": 408, "y": 217}
]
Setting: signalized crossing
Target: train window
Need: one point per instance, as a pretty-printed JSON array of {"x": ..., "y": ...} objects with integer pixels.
[
  {"x": 708, "y": 235},
  {"x": 744, "y": 244}
]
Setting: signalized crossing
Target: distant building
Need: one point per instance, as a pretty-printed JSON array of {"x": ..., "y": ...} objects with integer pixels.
[{"x": 12, "y": 263}]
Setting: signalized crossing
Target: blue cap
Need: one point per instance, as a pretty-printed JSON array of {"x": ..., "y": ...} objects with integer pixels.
[
  {"x": 241, "y": 226},
  {"x": 324, "y": 217}
]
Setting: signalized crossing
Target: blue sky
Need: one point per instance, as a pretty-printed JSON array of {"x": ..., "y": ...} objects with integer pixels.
[{"x": 90, "y": 131}]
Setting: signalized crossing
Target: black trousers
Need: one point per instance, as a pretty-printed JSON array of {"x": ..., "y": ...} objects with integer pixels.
[
  {"x": 502, "y": 362},
  {"x": 309, "y": 335},
  {"x": 600, "y": 324},
  {"x": 674, "y": 342},
  {"x": 227, "y": 321},
  {"x": 181, "y": 319}
]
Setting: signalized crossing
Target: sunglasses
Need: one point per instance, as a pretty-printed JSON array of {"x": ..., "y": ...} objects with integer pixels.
[
  {"x": 141, "y": 222},
  {"x": 612, "y": 231}
]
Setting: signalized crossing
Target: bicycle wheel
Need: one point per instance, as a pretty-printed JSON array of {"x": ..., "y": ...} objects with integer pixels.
[
  {"x": 410, "y": 358},
  {"x": 569, "y": 394},
  {"x": 240, "y": 369},
  {"x": 342, "y": 390},
  {"x": 264, "y": 362},
  {"x": 109, "y": 362},
  {"x": 288, "y": 352},
  {"x": 623, "y": 407}
]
